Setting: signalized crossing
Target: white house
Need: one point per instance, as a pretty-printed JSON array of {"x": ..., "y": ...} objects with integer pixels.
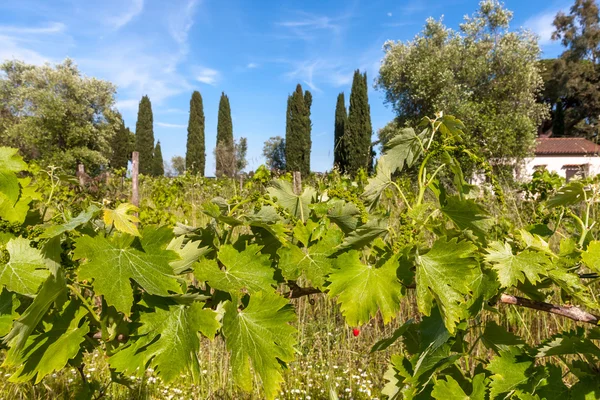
[{"x": 568, "y": 157}]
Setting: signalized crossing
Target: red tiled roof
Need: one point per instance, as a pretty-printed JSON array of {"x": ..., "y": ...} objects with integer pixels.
[{"x": 564, "y": 146}]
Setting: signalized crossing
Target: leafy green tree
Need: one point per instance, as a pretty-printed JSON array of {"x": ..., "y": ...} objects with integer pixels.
[
  {"x": 144, "y": 136},
  {"x": 358, "y": 129},
  {"x": 572, "y": 81},
  {"x": 484, "y": 74},
  {"x": 123, "y": 143},
  {"x": 225, "y": 150},
  {"x": 195, "y": 156},
  {"x": 274, "y": 152},
  {"x": 158, "y": 168},
  {"x": 178, "y": 164},
  {"x": 298, "y": 126},
  {"x": 241, "y": 151},
  {"x": 341, "y": 119},
  {"x": 56, "y": 115},
  {"x": 307, "y": 134}
]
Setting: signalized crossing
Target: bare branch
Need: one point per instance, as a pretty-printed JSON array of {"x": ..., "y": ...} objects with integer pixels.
[{"x": 573, "y": 312}]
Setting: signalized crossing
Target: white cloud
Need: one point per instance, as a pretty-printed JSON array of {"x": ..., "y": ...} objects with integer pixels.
[
  {"x": 207, "y": 75},
  {"x": 541, "y": 25},
  {"x": 252, "y": 65},
  {"x": 181, "y": 22},
  {"x": 167, "y": 125},
  {"x": 54, "y": 27},
  {"x": 11, "y": 50},
  {"x": 308, "y": 25},
  {"x": 135, "y": 8},
  {"x": 127, "y": 105},
  {"x": 389, "y": 14}
]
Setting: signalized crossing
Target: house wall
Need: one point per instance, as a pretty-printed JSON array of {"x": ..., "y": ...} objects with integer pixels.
[{"x": 556, "y": 163}]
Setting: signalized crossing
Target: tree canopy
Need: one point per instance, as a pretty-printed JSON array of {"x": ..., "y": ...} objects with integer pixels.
[
  {"x": 144, "y": 136},
  {"x": 123, "y": 144},
  {"x": 225, "y": 150},
  {"x": 571, "y": 82},
  {"x": 195, "y": 156},
  {"x": 484, "y": 74},
  {"x": 56, "y": 115},
  {"x": 274, "y": 152},
  {"x": 356, "y": 146},
  {"x": 298, "y": 130}
]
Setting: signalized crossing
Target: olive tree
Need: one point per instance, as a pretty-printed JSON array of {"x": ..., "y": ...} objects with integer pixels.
[
  {"x": 483, "y": 73},
  {"x": 56, "y": 115}
]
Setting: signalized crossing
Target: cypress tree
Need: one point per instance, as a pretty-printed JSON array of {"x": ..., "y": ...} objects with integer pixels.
[
  {"x": 158, "y": 167},
  {"x": 358, "y": 129},
  {"x": 307, "y": 134},
  {"x": 122, "y": 145},
  {"x": 225, "y": 145},
  {"x": 341, "y": 118},
  {"x": 297, "y": 133},
  {"x": 195, "y": 156},
  {"x": 144, "y": 136}
]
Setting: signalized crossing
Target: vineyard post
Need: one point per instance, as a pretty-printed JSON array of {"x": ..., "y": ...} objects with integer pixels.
[
  {"x": 135, "y": 166},
  {"x": 297, "y": 183},
  {"x": 81, "y": 173}
]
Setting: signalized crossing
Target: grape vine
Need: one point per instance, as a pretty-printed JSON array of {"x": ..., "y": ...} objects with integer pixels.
[{"x": 147, "y": 294}]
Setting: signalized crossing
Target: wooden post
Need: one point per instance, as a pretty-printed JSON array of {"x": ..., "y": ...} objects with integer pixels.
[
  {"x": 297, "y": 183},
  {"x": 241, "y": 183},
  {"x": 81, "y": 174},
  {"x": 135, "y": 167}
]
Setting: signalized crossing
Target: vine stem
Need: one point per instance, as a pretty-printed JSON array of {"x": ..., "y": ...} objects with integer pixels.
[
  {"x": 573, "y": 312},
  {"x": 85, "y": 303}
]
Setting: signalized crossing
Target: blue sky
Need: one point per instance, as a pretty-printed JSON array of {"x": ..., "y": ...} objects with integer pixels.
[{"x": 255, "y": 51}]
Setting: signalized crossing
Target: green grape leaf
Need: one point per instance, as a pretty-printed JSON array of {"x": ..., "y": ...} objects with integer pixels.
[
  {"x": 9, "y": 188},
  {"x": 551, "y": 386},
  {"x": 510, "y": 370},
  {"x": 168, "y": 342},
  {"x": 111, "y": 267},
  {"x": 260, "y": 337},
  {"x": 362, "y": 290},
  {"x": 51, "y": 350},
  {"x": 572, "y": 284},
  {"x": 446, "y": 274},
  {"x": 449, "y": 389},
  {"x": 572, "y": 193},
  {"x": 188, "y": 253},
  {"x": 467, "y": 214},
  {"x": 377, "y": 184},
  {"x": 403, "y": 149},
  {"x": 246, "y": 270},
  {"x": 342, "y": 213},
  {"x": 387, "y": 342},
  {"x": 122, "y": 219},
  {"x": 497, "y": 338},
  {"x": 312, "y": 262},
  {"x": 52, "y": 290},
  {"x": 568, "y": 343},
  {"x": 17, "y": 212},
  {"x": 364, "y": 234},
  {"x": 83, "y": 218},
  {"x": 591, "y": 256},
  {"x": 297, "y": 205},
  {"x": 26, "y": 268},
  {"x": 8, "y": 307},
  {"x": 587, "y": 388},
  {"x": 512, "y": 269},
  {"x": 11, "y": 161}
]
